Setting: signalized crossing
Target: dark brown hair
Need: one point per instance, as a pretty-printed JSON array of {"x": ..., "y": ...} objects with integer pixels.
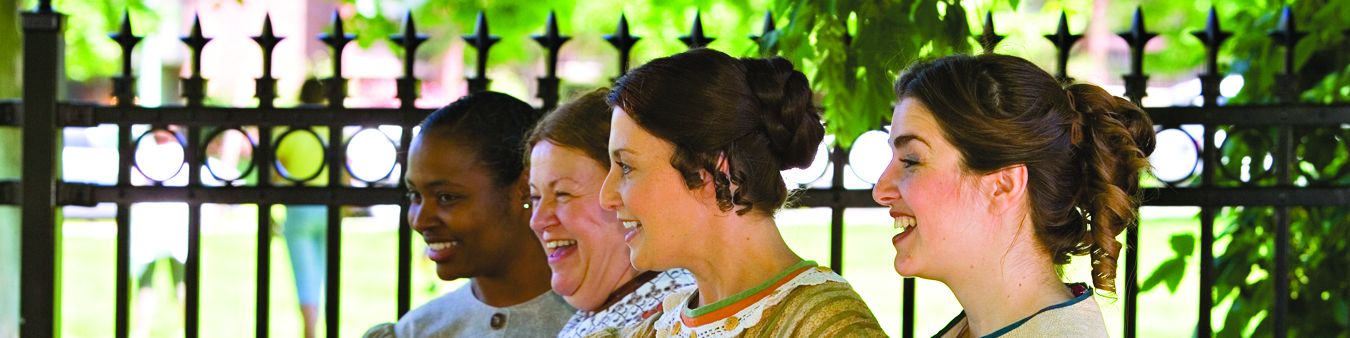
[
  {"x": 1083, "y": 148},
  {"x": 582, "y": 124},
  {"x": 756, "y": 112},
  {"x": 491, "y": 123}
]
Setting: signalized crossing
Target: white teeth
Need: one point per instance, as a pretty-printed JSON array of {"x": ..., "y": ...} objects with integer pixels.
[
  {"x": 554, "y": 244},
  {"x": 905, "y": 223},
  {"x": 438, "y": 246},
  {"x": 631, "y": 224}
]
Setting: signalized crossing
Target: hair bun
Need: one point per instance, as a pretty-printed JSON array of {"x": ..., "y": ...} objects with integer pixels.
[
  {"x": 1099, "y": 109},
  {"x": 789, "y": 118}
]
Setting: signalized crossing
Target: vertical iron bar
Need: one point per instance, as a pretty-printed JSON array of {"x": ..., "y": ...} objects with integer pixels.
[
  {"x": 405, "y": 254},
  {"x": 334, "y": 233},
  {"x": 1213, "y": 37},
  {"x": 40, "y": 236},
  {"x": 124, "y": 90},
  {"x": 194, "y": 87},
  {"x": 838, "y": 158},
  {"x": 552, "y": 41},
  {"x": 409, "y": 40},
  {"x": 336, "y": 160},
  {"x": 124, "y": 85},
  {"x": 1063, "y": 44},
  {"x": 482, "y": 41},
  {"x": 1136, "y": 87},
  {"x": 267, "y": 85},
  {"x": 407, "y": 95},
  {"x": 195, "y": 92},
  {"x": 337, "y": 94},
  {"x": 907, "y": 308},
  {"x": 1287, "y": 85},
  {"x": 262, "y": 161},
  {"x": 623, "y": 41},
  {"x": 335, "y": 88}
]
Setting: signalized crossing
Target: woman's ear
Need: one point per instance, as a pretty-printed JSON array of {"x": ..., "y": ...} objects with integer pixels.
[{"x": 1006, "y": 188}]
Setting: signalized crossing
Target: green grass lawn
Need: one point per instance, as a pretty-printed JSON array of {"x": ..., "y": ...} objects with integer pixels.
[{"x": 368, "y": 287}]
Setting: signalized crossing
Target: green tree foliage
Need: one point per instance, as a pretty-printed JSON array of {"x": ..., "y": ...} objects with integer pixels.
[
  {"x": 854, "y": 49},
  {"x": 88, "y": 49}
]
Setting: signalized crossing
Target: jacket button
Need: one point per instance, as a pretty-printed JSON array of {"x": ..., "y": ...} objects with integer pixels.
[{"x": 498, "y": 321}]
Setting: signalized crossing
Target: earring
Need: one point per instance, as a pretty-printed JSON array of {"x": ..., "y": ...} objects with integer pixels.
[{"x": 526, "y": 205}]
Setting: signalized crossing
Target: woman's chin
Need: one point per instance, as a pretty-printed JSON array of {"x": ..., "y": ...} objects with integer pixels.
[
  {"x": 639, "y": 261},
  {"x": 905, "y": 267},
  {"x": 564, "y": 285},
  {"x": 582, "y": 303}
]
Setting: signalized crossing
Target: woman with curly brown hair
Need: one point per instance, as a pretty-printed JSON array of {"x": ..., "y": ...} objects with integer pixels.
[{"x": 999, "y": 175}]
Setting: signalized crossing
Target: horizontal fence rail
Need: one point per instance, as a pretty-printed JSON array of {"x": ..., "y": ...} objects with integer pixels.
[{"x": 42, "y": 191}]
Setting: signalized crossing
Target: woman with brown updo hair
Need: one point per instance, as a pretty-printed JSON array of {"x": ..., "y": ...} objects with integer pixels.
[
  {"x": 999, "y": 176},
  {"x": 697, "y": 142}
]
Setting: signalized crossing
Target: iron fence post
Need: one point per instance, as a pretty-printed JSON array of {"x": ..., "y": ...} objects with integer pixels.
[{"x": 41, "y": 233}]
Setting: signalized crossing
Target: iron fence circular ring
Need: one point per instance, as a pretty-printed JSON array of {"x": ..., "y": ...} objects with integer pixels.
[
  {"x": 348, "y": 164},
  {"x": 1262, "y": 139},
  {"x": 1196, "y": 164},
  {"x": 281, "y": 169},
  {"x": 136, "y": 163},
  {"x": 853, "y": 167},
  {"x": 252, "y": 161}
]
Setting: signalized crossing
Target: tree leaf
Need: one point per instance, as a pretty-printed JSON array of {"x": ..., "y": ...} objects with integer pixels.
[
  {"x": 1183, "y": 244},
  {"x": 1170, "y": 272}
]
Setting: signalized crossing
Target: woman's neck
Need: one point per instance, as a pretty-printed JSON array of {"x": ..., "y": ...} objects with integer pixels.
[
  {"x": 522, "y": 278},
  {"x": 1021, "y": 284},
  {"x": 743, "y": 257}
]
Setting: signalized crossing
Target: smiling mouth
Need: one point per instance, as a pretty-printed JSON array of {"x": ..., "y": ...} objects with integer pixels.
[
  {"x": 442, "y": 246},
  {"x": 630, "y": 225},
  {"x": 905, "y": 223},
  {"x": 559, "y": 243},
  {"x": 442, "y": 251},
  {"x": 557, "y": 248}
]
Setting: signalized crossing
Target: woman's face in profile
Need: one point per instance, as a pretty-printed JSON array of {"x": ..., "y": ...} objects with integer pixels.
[
  {"x": 662, "y": 216},
  {"x": 930, "y": 198},
  {"x": 468, "y": 221},
  {"x": 583, "y": 241}
]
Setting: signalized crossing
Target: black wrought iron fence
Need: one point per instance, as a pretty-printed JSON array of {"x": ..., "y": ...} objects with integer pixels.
[{"x": 41, "y": 192}]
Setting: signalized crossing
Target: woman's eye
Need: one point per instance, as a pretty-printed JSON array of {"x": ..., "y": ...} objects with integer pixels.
[
  {"x": 534, "y": 199},
  {"x": 414, "y": 197},
  {"x": 446, "y": 198},
  {"x": 562, "y": 196},
  {"x": 624, "y": 168},
  {"x": 909, "y": 163}
]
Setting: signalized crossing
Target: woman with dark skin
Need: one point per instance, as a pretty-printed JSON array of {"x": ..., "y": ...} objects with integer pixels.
[{"x": 469, "y": 198}]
